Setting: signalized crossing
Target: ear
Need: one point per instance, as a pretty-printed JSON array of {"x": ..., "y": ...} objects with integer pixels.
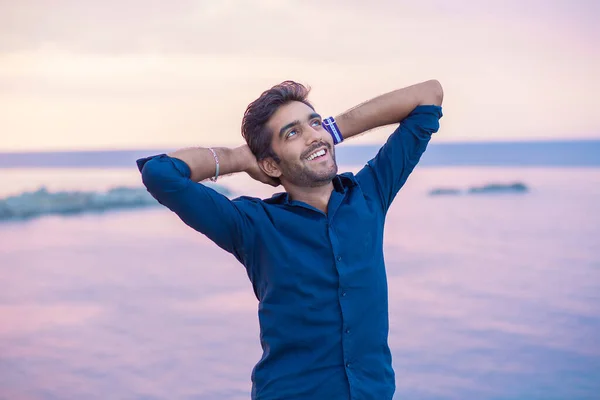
[{"x": 270, "y": 167}]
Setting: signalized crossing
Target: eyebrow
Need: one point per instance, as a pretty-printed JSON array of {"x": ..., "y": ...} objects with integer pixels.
[{"x": 296, "y": 122}]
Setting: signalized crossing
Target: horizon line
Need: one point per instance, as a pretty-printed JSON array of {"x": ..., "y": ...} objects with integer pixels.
[{"x": 433, "y": 143}]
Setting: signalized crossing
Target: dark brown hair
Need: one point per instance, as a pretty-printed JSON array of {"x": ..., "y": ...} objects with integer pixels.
[{"x": 258, "y": 113}]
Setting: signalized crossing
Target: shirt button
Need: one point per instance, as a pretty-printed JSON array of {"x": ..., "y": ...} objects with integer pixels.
[
  {"x": 343, "y": 294},
  {"x": 347, "y": 365},
  {"x": 339, "y": 258},
  {"x": 348, "y": 330}
]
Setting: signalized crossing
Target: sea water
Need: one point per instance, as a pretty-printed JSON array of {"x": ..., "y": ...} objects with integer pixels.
[{"x": 492, "y": 296}]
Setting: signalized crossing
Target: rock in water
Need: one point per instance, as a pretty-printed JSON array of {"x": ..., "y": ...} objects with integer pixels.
[
  {"x": 492, "y": 188},
  {"x": 42, "y": 202},
  {"x": 500, "y": 188},
  {"x": 445, "y": 192}
]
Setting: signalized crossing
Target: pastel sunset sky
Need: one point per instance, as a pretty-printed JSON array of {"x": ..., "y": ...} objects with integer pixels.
[{"x": 162, "y": 74}]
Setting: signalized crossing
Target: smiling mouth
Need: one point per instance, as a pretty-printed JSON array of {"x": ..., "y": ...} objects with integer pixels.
[{"x": 317, "y": 155}]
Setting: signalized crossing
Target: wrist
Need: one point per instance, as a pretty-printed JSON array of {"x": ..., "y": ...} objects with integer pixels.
[
  {"x": 332, "y": 127},
  {"x": 244, "y": 158}
]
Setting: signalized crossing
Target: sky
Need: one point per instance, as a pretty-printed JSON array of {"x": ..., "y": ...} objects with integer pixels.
[{"x": 133, "y": 74}]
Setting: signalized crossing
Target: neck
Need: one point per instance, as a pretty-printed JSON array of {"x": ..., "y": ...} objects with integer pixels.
[{"x": 318, "y": 196}]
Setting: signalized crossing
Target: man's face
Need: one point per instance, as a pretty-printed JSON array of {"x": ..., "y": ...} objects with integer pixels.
[{"x": 305, "y": 148}]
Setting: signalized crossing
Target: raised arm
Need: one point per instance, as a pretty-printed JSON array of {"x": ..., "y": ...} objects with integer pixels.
[
  {"x": 172, "y": 179},
  {"x": 418, "y": 109},
  {"x": 389, "y": 108},
  {"x": 202, "y": 163}
]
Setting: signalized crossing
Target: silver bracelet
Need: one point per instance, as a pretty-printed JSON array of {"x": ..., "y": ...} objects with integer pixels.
[{"x": 214, "y": 153}]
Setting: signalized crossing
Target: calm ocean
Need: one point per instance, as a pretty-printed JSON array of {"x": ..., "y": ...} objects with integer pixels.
[{"x": 492, "y": 296}]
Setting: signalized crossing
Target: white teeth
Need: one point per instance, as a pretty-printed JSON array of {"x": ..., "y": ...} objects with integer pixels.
[{"x": 316, "y": 154}]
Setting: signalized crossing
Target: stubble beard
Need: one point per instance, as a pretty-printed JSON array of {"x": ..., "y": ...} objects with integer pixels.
[{"x": 303, "y": 176}]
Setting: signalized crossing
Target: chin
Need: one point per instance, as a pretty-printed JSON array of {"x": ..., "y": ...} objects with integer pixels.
[
  {"x": 327, "y": 176},
  {"x": 311, "y": 177}
]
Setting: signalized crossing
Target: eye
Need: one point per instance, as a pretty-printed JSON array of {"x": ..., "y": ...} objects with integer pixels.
[
  {"x": 316, "y": 122},
  {"x": 291, "y": 133}
]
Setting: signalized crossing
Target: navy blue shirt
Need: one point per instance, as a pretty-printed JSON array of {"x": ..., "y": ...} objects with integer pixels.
[{"x": 319, "y": 277}]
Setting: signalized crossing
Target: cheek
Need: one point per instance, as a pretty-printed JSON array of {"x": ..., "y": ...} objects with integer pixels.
[{"x": 290, "y": 155}]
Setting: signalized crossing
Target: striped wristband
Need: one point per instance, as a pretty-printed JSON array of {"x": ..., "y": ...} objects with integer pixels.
[{"x": 331, "y": 127}]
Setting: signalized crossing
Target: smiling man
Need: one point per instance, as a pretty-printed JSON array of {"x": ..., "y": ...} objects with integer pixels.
[{"x": 314, "y": 253}]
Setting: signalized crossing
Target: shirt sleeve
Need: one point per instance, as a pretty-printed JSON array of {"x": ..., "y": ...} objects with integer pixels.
[
  {"x": 198, "y": 206},
  {"x": 387, "y": 172}
]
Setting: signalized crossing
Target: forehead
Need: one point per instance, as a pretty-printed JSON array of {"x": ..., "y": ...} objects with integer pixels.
[{"x": 288, "y": 113}]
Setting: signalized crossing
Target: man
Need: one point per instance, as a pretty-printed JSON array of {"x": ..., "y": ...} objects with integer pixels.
[{"x": 314, "y": 253}]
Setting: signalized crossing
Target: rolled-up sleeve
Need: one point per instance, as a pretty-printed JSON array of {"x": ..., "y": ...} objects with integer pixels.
[
  {"x": 387, "y": 172},
  {"x": 202, "y": 208}
]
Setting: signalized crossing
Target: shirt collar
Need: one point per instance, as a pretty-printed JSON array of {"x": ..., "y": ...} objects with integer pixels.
[{"x": 344, "y": 181}]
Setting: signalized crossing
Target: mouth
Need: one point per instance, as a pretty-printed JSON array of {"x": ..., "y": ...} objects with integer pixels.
[{"x": 317, "y": 154}]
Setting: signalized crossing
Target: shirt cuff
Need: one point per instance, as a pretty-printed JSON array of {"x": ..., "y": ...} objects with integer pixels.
[
  {"x": 179, "y": 165},
  {"x": 431, "y": 109}
]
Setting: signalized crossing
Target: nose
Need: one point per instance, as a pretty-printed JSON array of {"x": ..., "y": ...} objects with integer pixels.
[{"x": 312, "y": 135}]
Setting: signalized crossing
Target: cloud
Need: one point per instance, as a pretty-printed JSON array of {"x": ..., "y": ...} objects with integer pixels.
[
  {"x": 126, "y": 72},
  {"x": 135, "y": 26},
  {"x": 289, "y": 28}
]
